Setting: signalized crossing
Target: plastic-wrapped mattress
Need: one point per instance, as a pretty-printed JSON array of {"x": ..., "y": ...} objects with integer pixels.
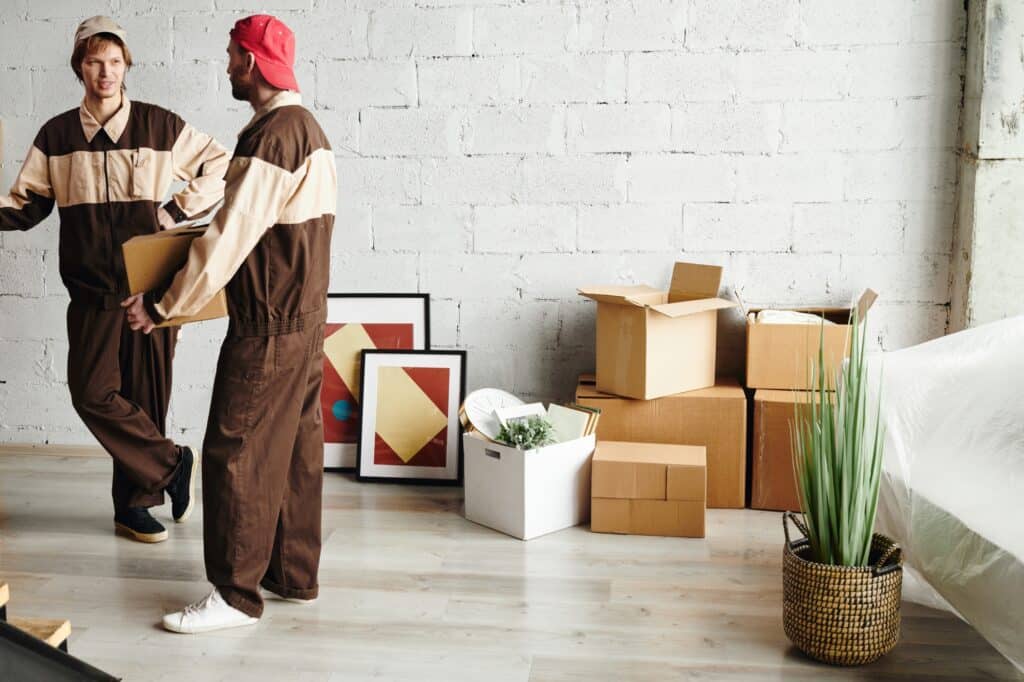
[{"x": 953, "y": 475}]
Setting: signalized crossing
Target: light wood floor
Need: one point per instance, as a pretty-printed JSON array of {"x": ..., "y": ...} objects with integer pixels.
[{"x": 412, "y": 591}]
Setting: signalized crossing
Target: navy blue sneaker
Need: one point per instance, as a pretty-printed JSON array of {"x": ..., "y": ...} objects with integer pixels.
[
  {"x": 138, "y": 524},
  {"x": 182, "y": 487}
]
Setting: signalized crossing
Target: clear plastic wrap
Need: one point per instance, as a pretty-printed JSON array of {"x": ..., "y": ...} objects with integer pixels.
[{"x": 952, "y": 491}]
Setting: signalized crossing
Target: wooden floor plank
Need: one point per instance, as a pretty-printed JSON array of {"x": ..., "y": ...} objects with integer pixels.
[{"x": 411, "y": 590}]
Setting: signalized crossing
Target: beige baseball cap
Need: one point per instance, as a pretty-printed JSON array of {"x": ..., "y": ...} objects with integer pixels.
[{"x": 99, "y": 24}]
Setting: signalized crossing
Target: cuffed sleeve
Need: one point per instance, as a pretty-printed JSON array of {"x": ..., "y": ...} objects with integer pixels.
[
  {"x": 177, "y": 215},
  {"x": 150, "y": 305}
]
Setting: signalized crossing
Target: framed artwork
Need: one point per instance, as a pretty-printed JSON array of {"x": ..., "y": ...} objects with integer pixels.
[
  {"x": 409, "y": 429},
  {"x": 357, "y": 322}
]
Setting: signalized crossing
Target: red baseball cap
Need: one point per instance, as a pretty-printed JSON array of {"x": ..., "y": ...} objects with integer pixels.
[{"x": 273, "y": 45}]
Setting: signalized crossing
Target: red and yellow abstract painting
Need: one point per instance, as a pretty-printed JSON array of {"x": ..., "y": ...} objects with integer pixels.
[
  {"x": 412, "y": 416},
  {"x": 339, "y": 397}
]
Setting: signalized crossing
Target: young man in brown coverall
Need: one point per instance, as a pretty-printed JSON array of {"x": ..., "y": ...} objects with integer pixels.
[
  {"x": 270, "y": 245},
  {"x": 107, "y": 165}
]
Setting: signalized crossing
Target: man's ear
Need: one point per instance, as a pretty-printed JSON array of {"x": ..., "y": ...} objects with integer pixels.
[{"x": 250, "y": 62}]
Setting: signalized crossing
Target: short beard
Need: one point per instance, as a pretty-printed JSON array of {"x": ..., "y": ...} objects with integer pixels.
[{"x": 239, "y": 89}]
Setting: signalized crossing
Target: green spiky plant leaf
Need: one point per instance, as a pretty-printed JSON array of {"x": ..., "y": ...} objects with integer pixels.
[
  {"x": 837, "y": 457},
  {"x": 527, "y": 434}
]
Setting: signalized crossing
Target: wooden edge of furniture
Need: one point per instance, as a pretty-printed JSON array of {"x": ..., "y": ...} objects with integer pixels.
[{"x": 54, "y": 632}]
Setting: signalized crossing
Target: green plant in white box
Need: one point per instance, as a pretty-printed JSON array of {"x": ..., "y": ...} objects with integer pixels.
[{"x": 527, "y": 433}]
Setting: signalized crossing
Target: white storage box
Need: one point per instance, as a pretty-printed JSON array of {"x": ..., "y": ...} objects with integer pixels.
[{"x": 527, "y": 493}]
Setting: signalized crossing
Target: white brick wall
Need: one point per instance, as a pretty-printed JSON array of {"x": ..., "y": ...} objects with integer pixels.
[{"x": 500, "y": 153}]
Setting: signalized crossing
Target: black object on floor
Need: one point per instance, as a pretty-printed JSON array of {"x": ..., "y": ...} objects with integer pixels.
[{"x": 23, "y": 657}]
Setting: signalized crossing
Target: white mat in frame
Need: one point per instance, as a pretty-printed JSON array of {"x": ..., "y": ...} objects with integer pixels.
[{"x": 372, "y": 363}]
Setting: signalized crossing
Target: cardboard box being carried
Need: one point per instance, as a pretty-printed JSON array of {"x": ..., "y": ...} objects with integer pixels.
[
  {"x": 651, "y": 342},
  {"x": 527, "y": 493},
  {"x": 648, "y": 489},
  {"x": 781, "y": 356},
  {"x": 151, "y": 261},
  {"x": 713, "y": 417},
  {"x": 772, "y": 481}
]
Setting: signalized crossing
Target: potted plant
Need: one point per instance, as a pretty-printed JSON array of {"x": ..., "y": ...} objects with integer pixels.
[{"x": 842, "y": 581}]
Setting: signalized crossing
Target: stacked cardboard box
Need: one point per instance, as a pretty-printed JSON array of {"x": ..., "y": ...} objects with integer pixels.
[
  {"x": 648, "y": 489},
  {"x": 714, "y": 417},
  {"x": 781, "y": 363},
  {"x": 651, "y": 342},
  {"x": 655, "y": 386}
]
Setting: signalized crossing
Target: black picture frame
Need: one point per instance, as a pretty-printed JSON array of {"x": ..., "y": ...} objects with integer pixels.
[{"x": 453, "y": 420}]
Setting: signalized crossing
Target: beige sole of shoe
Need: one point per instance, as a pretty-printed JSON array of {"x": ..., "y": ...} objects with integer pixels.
[
  {"x": 210, "y": 628},
  {"x": 151, "y": 538},
  {"x": 191, "y": 490}
]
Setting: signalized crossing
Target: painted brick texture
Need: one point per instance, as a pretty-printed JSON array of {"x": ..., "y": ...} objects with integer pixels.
[{"x": 498, "y": 154}]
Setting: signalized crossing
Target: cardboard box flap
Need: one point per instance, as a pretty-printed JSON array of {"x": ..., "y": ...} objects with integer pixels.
[
  {"x": 638, "y": 295},
  {"x": 690, "y": 307},
  {"x": 692, "y": 281},
  {"x": 865, "y": 302},
  {"x": 650, "y": 453}
]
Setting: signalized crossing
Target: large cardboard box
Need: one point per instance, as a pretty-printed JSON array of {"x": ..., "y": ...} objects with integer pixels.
[
  {"x": 651, "y": 342},
  {"x": 151, "y": 261},
  {"x": 783, "y": 356},
  {"x": 772, "y": 478},
  {"x": 713, "y": 417},
  {"x": 648, "y": 489},
  {"x": 527, "y": 493}
]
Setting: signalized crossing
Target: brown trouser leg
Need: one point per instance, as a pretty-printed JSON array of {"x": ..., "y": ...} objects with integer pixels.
[
  {"x": 263, "y": 468},
  {"x": 120, "y": 383}
]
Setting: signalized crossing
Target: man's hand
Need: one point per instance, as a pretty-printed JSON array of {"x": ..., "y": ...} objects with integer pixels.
[
  {"x": 165, "y": 219},
  {"x": 138, "y": 318}
]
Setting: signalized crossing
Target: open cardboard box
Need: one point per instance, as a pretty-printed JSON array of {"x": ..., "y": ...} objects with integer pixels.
[
  {"x": 785, "y": 356},
  {"x": 651, "y": 342},
  {"x": 151, "y": 261}
]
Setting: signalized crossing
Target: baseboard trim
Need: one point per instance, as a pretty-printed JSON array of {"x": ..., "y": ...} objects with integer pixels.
[{"x": 52, "y": 450}]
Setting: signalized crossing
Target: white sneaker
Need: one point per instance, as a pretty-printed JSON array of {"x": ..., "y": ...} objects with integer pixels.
[
  {"x": 206, "y": 615},
  {"x": 274, "y": 596}
]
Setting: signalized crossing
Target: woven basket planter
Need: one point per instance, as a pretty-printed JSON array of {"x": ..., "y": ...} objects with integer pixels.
[{"x": 843, "y": 615}]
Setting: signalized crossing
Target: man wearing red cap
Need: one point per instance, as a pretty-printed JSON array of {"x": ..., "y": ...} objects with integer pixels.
[{"x": 270, "y": 245}]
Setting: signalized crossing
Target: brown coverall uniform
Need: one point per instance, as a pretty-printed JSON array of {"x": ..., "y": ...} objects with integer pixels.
[
  {"x": 107, "y": 182},
  {"x": 263, "y": 451}
]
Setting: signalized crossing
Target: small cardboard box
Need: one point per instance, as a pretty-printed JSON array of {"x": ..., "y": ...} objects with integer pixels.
[
  {"x": 772, "y": 478},
  {"x": 713, "y": 417},
  {"x": 527, "y": 493},
  {"x": 782, "y": 356},
  {"x": 649, "y": 489},
  {"x": 652, "y": 343},
  {"x": 152, "y": 260}
]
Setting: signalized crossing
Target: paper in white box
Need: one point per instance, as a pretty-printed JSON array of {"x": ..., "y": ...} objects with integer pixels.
[{"x": 528, "y": 493}]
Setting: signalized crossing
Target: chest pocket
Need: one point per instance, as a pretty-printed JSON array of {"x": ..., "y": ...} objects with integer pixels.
[
  {"x": 78, "y": 178},
  {"x": 144, "y": 173}
]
